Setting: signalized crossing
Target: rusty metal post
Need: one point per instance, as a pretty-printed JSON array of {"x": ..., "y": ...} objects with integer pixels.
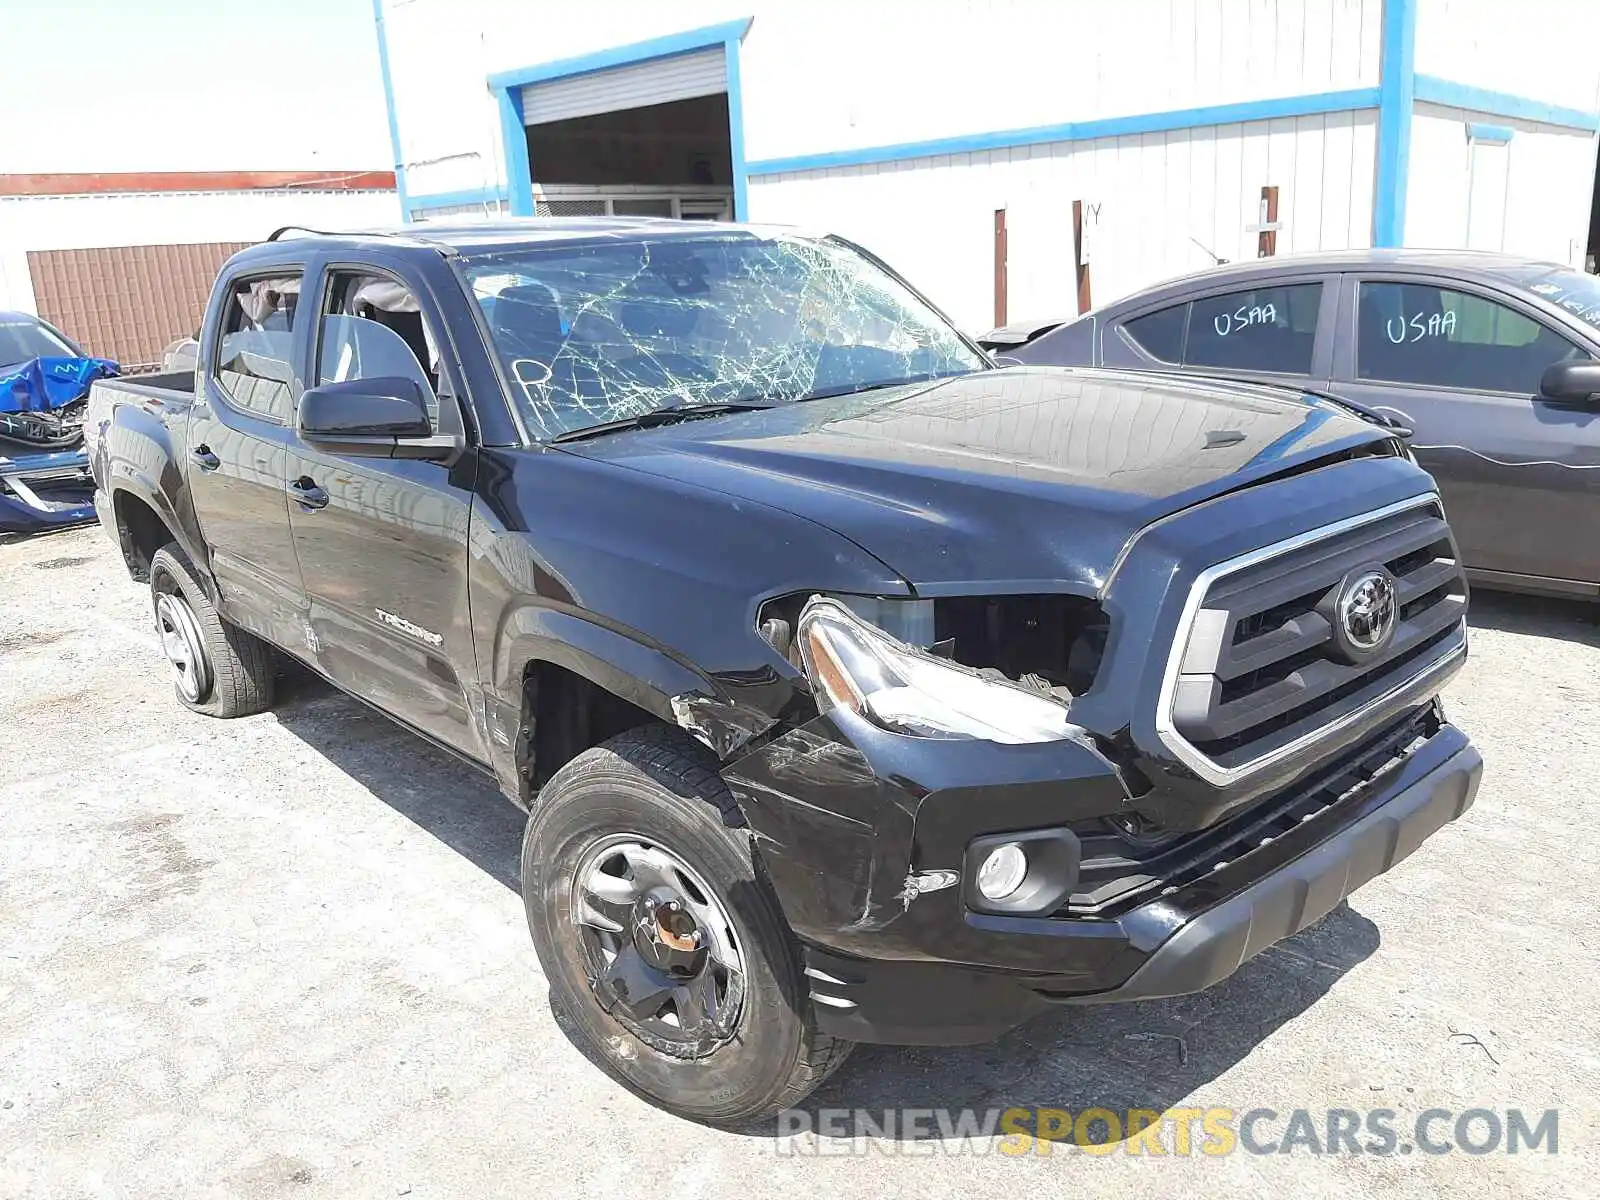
[
  {"x": 1080, "y": 267},
  {"x": 1267, "y": 238},
  {"x": 1000, "y": 283}
]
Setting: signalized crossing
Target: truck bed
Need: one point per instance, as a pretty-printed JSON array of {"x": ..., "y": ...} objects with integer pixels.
[
  {"x": 173, "y": 389},
  {"x": 134, "y": 423}
]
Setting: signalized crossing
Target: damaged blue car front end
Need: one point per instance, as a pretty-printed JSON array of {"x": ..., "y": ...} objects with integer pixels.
[
  {"x": 44, "y": 469},
  {"x": 45, "y": 491}
]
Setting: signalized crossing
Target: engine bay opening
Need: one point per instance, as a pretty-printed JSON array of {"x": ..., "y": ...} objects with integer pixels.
[
  {"x": 1050, "y": 643},
  {"x": 1045, "y": 642}
]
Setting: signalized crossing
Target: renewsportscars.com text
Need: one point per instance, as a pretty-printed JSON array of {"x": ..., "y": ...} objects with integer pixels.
[{"x": 1178, "y": 1132}]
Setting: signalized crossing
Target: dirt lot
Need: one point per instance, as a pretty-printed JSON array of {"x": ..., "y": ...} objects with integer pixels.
[{"x": 286, "y": 956}]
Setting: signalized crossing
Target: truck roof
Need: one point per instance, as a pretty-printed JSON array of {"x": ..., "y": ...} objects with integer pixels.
[{"x": 508, "y": 233}]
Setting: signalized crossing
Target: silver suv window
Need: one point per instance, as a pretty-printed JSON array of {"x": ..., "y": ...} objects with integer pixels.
[
  {"x": 1271, "y": 328},
  {"x": 1421, "y": 334}
]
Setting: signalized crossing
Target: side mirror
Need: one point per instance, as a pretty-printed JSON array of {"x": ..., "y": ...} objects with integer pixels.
[
  {"x": 1577, "y": 380},
  {"x": 382, "y": 416}
]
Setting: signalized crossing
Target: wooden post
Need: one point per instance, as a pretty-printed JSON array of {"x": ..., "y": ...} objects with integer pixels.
[
  {"x": 1267, "y": 238},
  {"x": 1079, "y": 265},
  {"x": 999, "y": 267}
]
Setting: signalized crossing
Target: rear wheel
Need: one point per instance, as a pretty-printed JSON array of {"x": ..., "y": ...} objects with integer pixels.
[
  {"x": 217, "y": 669},
  {"x": 661, "y": 939}
]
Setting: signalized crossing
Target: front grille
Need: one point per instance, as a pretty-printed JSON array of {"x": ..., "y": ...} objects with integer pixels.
[
  {"x": 58, "y": 428},
  {"x": 1118, "y": 871},
  {"x": 1262, "y": 669}
]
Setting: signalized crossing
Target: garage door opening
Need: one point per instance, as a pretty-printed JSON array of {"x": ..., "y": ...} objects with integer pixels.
[{"x": 647, "y": 139}]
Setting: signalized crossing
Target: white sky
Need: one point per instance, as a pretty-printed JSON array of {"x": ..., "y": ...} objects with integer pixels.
[{"x": 190, "y": 85}]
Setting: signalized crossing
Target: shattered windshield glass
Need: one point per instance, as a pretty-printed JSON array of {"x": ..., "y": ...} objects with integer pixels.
[
  {"x": 601, "y": 332},
  {"x": 21, "y": 339}
]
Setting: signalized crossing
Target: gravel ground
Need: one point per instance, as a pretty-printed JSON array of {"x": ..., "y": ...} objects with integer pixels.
[{"x": 286, "y": 956}]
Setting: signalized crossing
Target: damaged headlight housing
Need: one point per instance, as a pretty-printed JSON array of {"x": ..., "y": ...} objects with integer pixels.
[{"x": 855, "y": 665}]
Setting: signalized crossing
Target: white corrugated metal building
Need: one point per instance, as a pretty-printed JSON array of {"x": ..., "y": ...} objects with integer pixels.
[{"x": 922, "y": 128}]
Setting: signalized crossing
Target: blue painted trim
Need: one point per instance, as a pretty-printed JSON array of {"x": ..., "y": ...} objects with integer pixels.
[
  {"x": 507, "y": 87},
  {"x": 388, "y": 104},
  {"x": 519, "y": 175},
  {"x": 483, "y": 195},
  {"x": 741, "y": 175},
  {"x": 686, "y": 42},
  {"x": 1494, "y": 135},
  {"x": 1080, "y": 131},
  {"x": 1277, "y": 107},
  {"x": 1434, "y": 90},
  {"x": 1397, "y": 78}
]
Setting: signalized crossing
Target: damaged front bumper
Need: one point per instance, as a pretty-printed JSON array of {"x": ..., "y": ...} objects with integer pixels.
[
  {"x": 868, "y": 839},
  {"x": 45, "y": 491}
]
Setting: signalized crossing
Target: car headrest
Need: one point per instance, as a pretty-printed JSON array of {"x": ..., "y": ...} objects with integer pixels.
[
  {"x": 656, "y": 318},
  {"x": 529, "y": 311}
]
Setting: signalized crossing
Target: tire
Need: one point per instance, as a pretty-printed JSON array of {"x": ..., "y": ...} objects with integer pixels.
[
  {"x": 654, "y": 787},
  {"x": 233, "y": 672}
]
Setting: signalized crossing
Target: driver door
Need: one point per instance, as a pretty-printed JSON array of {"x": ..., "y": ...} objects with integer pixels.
[{"x": 382, "y": 543}]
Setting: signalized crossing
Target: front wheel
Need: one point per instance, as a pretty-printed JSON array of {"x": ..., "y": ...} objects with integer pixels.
[
  {"x": 660, "y": 937},
  {"x": 217, "y": 669}
]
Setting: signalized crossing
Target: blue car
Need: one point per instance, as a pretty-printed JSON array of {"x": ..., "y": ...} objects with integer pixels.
[{"x": 44, "y": 382}]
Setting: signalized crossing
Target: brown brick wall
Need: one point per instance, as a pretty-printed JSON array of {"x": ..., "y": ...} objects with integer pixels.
[{"x": 127, "y": 302}]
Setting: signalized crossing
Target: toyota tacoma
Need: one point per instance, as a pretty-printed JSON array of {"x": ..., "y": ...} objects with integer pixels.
[{"x": 857, "y": 689}]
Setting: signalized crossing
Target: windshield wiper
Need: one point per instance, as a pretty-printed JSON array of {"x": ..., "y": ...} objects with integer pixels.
[
  {"x": 1375, "y": 416},
  {"x": 662, "y": 416},
  {"x": 881, "y": 384}
]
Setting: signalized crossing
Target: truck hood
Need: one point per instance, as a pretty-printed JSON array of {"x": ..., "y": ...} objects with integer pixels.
[{"x": 1019, "y": 478}]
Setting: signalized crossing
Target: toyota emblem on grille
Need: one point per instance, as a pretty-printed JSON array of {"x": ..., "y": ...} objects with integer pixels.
[{"x": 1366, "y": 610}]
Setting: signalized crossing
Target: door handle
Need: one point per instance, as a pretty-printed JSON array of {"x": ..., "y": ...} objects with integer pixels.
[
  {"x": 307, "y": 494},
  {"x": 202, "y": 457}
]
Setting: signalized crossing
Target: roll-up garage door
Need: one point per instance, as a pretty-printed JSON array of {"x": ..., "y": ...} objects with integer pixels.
[{"x": 681, "y": 77}]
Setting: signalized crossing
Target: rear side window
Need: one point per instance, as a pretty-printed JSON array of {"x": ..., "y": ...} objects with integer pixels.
[
  {"x": 1418, "y": 333},
  {"x": 254, "y": 347},
  {"x": 1160, "y": 334},
  {"x": 1261, "y": 329}
]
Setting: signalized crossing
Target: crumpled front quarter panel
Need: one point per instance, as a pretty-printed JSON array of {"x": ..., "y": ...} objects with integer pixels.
[{"x": 655, "y": 584}]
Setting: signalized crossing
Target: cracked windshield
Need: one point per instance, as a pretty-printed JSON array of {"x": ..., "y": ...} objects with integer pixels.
[{"x": 597, "y": 334}]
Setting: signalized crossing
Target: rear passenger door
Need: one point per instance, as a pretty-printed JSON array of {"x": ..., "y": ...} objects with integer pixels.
[
  {"x": 1272, "y": 330},
  {"x": 1461, "y": 365},
  {"x": 382, "y": 542},
  {"x": 238, "y": 449}
]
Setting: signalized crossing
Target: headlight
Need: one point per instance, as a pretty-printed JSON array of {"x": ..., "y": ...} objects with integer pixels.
[{"x": 854, "y": 665}]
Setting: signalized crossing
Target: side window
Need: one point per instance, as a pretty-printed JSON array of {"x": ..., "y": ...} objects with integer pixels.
[
  {"x": 1263, "y": 329},
  {"x": 1160, "y": 333},
  {"x": 372, "y": 326},
  {"x": 254, "y": 347},
  {"x": 1418, "y": 333}
]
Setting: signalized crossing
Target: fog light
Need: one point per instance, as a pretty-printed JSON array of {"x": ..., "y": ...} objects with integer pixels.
[{"x": 1002, "y": 872}]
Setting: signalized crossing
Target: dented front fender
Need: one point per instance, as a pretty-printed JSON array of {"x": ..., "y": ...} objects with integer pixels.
[{"x": 862, "y": 832}]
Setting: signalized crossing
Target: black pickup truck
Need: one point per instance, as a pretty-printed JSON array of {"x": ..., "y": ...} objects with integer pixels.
[{"x": 857, "y": 689}]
